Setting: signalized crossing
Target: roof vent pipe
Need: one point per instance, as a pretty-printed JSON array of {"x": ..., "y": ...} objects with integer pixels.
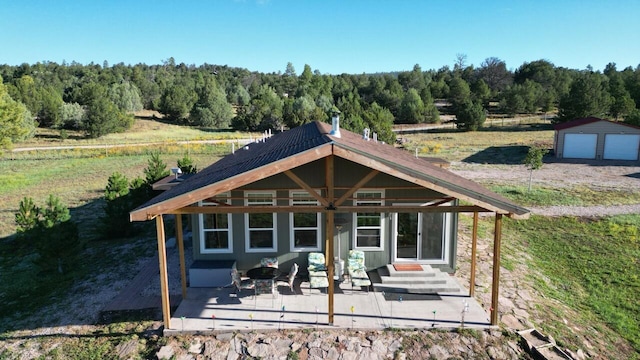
[
  {"x": 335, "y": 124},
  {"x": 365, "y": 134},
  {"x": 375, "y": 137}
]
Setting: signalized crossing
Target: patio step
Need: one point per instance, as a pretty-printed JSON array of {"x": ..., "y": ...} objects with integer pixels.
[
  {"x": 429, "y": 281},
  {"x": 417, "y": 289},
  {"x": 436, "y": 279},
  {"x": 427, "y": 271}
]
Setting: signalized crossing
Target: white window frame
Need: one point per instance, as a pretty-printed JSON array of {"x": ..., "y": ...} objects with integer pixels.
[
  {"x": 228, "y": 230},
  {"x": 382, "y": 226},
  {"x": 247, "y": 229},
  {"x": 309, "y": 202}
]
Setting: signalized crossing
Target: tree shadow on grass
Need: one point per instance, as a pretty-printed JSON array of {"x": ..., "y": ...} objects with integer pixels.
[
  {"x": 33, "y": 291},
  {"x": 505, "y": 155},
  {"x": 517, "y": 127}
]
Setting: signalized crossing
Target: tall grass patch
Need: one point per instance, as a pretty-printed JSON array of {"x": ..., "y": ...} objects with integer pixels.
[
  {"x": 573, "y": 196},
  {"x": 593, "y": 266},
  {"x": 78, "y": 180},
  {"x": 142, "y": 131}
]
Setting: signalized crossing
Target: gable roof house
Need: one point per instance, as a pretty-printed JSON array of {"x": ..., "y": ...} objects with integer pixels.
[{"x": 283, "y": 197}]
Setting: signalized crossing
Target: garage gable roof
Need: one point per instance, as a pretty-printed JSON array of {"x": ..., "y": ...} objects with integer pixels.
[
  {"x": 311, "y": 142},
  {"x": 588, "y": 120}
]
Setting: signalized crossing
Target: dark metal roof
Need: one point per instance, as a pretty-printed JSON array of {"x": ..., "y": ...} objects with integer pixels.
[
  {"x": 249, "y": 157},
  {"x": 576, "y": 122},
  {"x": 315, "y": 135},
  {"x": 589, "y": 120}
]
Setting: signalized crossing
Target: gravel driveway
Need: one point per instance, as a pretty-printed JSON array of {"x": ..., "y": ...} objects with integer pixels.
[{"x": 596, "y": 175}]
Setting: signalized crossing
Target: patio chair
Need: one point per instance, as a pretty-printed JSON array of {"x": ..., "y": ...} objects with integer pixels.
[
  {"x": 356, "y": 270},
  {"x": 265, "y": 287},
  {"x": 238, "y": 283},
  {"x": 317, "y": 271},
  {"x": 292, "y": 276}
]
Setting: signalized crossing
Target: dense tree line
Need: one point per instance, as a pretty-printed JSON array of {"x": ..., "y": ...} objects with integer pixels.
[{"x": 100, "y": 99}]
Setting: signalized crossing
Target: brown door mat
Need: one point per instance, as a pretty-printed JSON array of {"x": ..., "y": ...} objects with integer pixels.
[{"x": 407, "y": 267}]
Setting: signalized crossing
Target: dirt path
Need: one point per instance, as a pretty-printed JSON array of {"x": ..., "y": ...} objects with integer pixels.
[{"x": 111, "y": 146}]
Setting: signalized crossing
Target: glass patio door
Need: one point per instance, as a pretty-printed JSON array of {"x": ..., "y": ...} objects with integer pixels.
[
  {"x": 421, "y": 237},
  {"x": 407, "y": 236}
]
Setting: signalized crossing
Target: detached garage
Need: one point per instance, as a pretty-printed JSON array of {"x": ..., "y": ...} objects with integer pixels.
[{"x": 594, "y": 138}]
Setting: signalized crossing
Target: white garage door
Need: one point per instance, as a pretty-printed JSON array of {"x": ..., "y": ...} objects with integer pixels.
[
  {"x": 621, "y": 147},
  {"x": 580, "y": 146}
]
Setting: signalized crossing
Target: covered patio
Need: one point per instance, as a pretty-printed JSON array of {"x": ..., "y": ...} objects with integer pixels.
[
  {"x": 208, "y": 310},
  {"x": 314, "y": 169}
]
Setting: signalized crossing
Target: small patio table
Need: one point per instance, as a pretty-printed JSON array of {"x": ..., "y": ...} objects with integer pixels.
[
  {"x": 265, "y": 276},
  {"x": 263, "y": 273}
]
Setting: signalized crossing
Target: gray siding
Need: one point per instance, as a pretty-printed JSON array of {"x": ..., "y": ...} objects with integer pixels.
[
  {"x": 600, "y": 128},
  {"x": 347, "y": 174}
]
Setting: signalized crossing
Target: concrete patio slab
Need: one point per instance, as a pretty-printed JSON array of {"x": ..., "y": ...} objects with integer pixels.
[{"x": 211, "y": 310}]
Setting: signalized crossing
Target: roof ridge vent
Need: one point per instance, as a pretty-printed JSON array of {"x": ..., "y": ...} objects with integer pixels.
[{"x": 365, "y": 134}]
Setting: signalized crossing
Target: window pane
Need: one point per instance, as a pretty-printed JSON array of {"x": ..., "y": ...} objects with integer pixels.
[
  {"x": 432, "y": 236},
  {"x": 368, "y": 219},
  {"x": 302, "y": 197},
  {"x": 368, "y": 238},
  {"x": 215, "y": 221},
  {"x": 216, "y": 240},
  {"x": 261, "y": 220},
  {"x": 368, "y": 195},
  {"x": 305, "y": 238},
  {"x": 305, "y": 220},
  {"x": 260, "y": 199},
  {"x": 260, "y": 239}
]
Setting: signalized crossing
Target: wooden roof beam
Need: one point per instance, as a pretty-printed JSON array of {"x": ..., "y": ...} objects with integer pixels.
[
  {"x": 356, "y": 187},
  {"x": 306, "y": 186},
  {"x": 443, "y": 201},
  {"x": 320, "y": 209}
]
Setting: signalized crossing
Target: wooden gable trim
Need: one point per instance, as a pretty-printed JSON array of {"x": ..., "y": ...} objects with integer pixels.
[
  {"x": 170, "y": 205},
  {"x": 380, "y": 166}
]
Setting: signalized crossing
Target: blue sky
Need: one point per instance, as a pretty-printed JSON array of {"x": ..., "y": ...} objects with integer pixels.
[{"x": 332, "y": 36}]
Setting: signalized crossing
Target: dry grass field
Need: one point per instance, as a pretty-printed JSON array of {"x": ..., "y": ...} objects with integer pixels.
[{"x": 581, "y": 305}]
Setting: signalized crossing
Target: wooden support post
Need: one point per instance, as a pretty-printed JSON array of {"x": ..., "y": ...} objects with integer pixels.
[
  {"x": 330, "y": 263},
  {"x": 183, "y": 268},
  {"x": 164, "y": 283},
  {"x": 329, "y": 235},
  {"x": 474, "y": 244},
  {"x": 497, "y": 236}
]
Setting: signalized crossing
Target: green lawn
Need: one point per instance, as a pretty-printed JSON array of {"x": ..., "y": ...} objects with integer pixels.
[
  {"x": 574, "y": 196},
  {"x": 80, "y": 180},
  {"x": 592, "y": 266}
]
